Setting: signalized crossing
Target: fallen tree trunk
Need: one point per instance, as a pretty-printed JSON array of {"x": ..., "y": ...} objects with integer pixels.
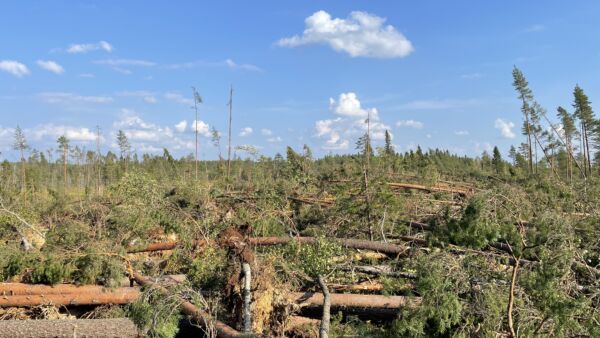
[
  {"x": 119, "y": 296},
  {"x": 353, "y": 301},
  {"x": 386, "y": 248},
  {"x": 201, "y": 317},
  {"x": 381, "y": 270},
  {"x": 22, "y": 289},
  {"x": 91, "y": 328},
  {"x": 458, "y": 191}
]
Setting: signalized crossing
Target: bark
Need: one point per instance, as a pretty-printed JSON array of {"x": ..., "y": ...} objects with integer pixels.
[
  {"x": 247, "y": 298},
  {"x": 381, "y": 270},
  {"x": 117, "y": 327},
  {"x": 325, "y": 319},
  {"x": 22, "y": 289},
  {"x": 201, "y": 317},
  {"x": 110, "y": 297},
  {"x": 267, "y": 241},
  {"x": 354, "y": 301},
  {"x": 458, "y": 191}
]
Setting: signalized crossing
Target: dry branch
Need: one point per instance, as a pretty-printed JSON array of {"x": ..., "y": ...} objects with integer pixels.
[{"x": 116, "y": 327}]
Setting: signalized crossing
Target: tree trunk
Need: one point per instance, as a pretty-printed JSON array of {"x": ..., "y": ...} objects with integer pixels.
[
  {"x": 117, "y": 327},
  {"x": 247, "y": 298},
  {"x": 325, "y": 319}
]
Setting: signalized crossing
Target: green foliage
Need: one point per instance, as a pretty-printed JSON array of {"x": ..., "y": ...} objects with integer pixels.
[
  {"x": 155, "y": 315},
  {"x": 206, "y": 271},
  {"x": 314, "y": 259},
  {"x": 51, "y": 271}
]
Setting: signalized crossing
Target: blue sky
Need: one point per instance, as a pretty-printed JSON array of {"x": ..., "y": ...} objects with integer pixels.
[{"x": 434, "y": 73}]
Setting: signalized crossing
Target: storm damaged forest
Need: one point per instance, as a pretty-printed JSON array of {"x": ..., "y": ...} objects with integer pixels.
[{"x": 376, "y": 243}]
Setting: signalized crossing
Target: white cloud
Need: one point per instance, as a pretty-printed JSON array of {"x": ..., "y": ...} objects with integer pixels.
[
  {"x": 275, "y": 139},
  {"x": 176, "y": 97},
  {"x": 51, "y": 66},
  {"x": 151, "y": 137},
  {"x": 351, "y": 123},
  {"x": 410, "y": 124},
  {"x": 181, "y": 126},
  {"x": 461, "y": 133},
  {"x": 202, "y": 127},
  {"x": 266, "y": 132},
  {"x": 505, "y": 128},
  {"x": 360, "y": 35},
  {"x": 78, "y": 134},
  {"x": 148, "y": 97},
  {"x": 62, "y": 97},
  {"x": 13, "y": 67},
  {"x": 247, "y": 131},
  {"x": 88, "y": 47}
]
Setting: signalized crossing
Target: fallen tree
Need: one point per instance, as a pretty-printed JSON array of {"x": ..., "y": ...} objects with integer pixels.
[
  {"x": 382, "y": 247},
  {"x": 357, "y": 302},
  {"x": 436, "y": 188},
  {"x": 117, "y": 327},
  {"x": 202, "y": 318},
  {"x": 22, "y": 289},
  {"x": 117, "y": 296}
]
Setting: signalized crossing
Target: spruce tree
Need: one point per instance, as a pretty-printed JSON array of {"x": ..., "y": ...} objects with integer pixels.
[
  {"x": 21, "y": 145},
  {"x": 525, "y": 95},
  {"x": 585, "y": 114}
]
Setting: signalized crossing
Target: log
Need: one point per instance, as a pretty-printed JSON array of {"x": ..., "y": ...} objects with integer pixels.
[
  {"x": 201, "y": 317},
  {"x": 460, "y": 192},
  {"x": 91, "y": 328},
  {"x": 22, "y": 289},
  {"x": 341, "y": 301},
  {"x": 386, "y": 248},
  {"x": 378, "y": 270},
  {"x": 111, "y": 297}
]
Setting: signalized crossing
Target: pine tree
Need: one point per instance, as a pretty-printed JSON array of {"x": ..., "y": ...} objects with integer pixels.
[
  {"x": 21, "y": 145},
  {"x": 525, "y": 95},
  {"x": 569, "y": 131},
  {"x": 585, "y": 114}
]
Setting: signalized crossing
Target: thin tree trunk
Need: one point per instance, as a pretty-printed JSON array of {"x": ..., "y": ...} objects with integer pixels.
[
  {"x": 324, "y": 329},
  {"x": 247, "y": 298},
  {"x": 229, "y": 133},
  {"x": 511, "y": 298}
]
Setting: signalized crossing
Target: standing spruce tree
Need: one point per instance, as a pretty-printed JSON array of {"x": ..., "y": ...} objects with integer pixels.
[
  {"x": 497, "y": 162},
  {"x": 585, "y": 114},
  {"x": 21, "y": 145},
  {"x": 63, "y": 147},
  {"x": 524, "y": 94},
  {"x": 388, "y": 147}
]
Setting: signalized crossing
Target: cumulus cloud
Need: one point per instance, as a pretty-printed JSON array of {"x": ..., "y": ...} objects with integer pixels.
[
  {"x": 64, "y": 97},
  {"x": 181, "y": 126},
  {"x": 89, "y": 47},
  {"x": 78, "y": 134},
  {"x": 247, "y": 131},
  {"x": 275, "y": 139},
  {"x": 244, "y": 66},
  {"x": 151, "y": 137},
  {"x": 266, "y": 132},
  {"x": 14, "y": 67},
  {"x": 351, "y": 123},
  {"x": 410, "y": 124},
  {"x": 360, "y": 35},
  {"x": 51, "y": 66},
  {"x": 505, "y": 127}
]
